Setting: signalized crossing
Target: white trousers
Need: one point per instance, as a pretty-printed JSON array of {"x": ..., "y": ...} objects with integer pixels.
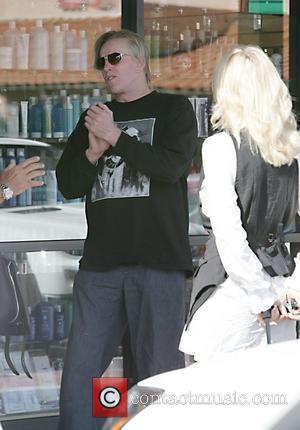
[{"x": 224, "y": 323}]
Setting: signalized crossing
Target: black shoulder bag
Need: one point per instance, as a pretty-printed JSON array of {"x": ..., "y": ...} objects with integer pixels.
[
  {"x": 275, "y": 258},
  {"x": 14, "y": 319}
]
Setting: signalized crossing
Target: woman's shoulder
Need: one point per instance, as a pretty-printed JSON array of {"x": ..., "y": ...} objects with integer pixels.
[{"x": 219, "y": 141}]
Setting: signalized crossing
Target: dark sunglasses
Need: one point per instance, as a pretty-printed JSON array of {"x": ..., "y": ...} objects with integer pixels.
[{"x": 113, "y": 59}]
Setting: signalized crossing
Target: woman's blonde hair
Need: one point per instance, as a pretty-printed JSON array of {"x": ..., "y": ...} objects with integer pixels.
[{"x": 250, "y": 97}]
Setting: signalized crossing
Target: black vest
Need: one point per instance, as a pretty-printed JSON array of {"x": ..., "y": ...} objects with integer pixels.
[
  {"x": 267, "y": 195},
  {"x": 267, "y": 198}
]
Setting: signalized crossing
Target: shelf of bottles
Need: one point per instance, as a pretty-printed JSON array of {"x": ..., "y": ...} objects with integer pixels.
[
  {"x": 50, "y": 51},
  {"x": 186, "y": 39},
  {"x": 47, "y": 78},
  {"x": 28, "y": 125}
]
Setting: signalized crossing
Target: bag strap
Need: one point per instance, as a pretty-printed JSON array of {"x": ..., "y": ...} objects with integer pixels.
[
  {"x": 23, "y": 362},
  {"x": 7, "y": 356}
]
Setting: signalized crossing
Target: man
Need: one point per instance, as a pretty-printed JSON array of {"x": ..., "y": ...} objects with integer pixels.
[
  {"x": 15, "y": 179},
  {"x": 136, "y": 254}
]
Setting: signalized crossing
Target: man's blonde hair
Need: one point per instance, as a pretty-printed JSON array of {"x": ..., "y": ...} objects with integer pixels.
[
  {"x": 250, "y": 97},
  {"x": 137, "y": 45}
]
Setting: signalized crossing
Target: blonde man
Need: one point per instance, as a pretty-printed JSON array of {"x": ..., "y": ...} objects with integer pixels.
[{"x": 132, "y": 274}]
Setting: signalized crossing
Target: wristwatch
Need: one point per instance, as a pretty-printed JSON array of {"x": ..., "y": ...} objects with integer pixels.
[{"x": 7, "y": 192}]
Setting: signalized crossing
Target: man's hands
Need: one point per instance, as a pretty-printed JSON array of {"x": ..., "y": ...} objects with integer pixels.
[
  {"x": 22, "y": 176},
  {"x": 103, "y": 132},
  {"x": 96, "y": 148}
]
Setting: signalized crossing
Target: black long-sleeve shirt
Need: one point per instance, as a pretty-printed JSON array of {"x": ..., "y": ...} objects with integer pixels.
[{"x": 136, "y": 198}]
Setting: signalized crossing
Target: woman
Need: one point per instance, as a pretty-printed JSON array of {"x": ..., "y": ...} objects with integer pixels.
[{"x": 249, "y": 194}]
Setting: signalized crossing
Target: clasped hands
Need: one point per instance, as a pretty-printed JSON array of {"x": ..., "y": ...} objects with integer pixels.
[{"x": 103, "y": 132}]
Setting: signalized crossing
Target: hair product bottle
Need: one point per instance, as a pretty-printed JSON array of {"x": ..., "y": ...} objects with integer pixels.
[
  {"x": 10, "y": 38},
  {"x": 35, "y": 118},
  {"x": 57, "y": 48},
  {"x": 59, "y": 323},
  {"x": 23, "y": 49},
  {"x": 83, "y": 46},
  {"x": 47, "y": 118},
  {"x": 10, "y": 156},
  {"x": 12, "y": 126},
  {"x": 57, "y": 117},
  {"x": 76, "y": 108},
  {"x": 21, "y": 198},
  {"x": 44, "y": 313},
  {"x": 39, "y": 47}
]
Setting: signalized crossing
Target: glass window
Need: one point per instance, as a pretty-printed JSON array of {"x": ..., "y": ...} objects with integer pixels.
[
  {"x": 47, "y": 79},
  {"x": 186, "y": 37}
]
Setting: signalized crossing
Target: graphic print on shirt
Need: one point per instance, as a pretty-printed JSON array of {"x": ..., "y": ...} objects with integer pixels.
[{"x": 116, "y": 178}]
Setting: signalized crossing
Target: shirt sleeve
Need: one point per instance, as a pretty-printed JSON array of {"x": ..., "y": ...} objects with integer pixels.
[
  {"x": 75, "y": 174},
  {"x": 219, "y": 203}
]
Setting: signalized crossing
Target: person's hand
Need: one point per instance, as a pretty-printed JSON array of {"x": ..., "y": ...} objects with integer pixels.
[
  {"x": 278, "y": 313},
  {"x": 97, "y": 147},
  {"x": 22, "y": 176},
  {"x": 100, "y": 122},
  {"x": 293, "y": 297}
]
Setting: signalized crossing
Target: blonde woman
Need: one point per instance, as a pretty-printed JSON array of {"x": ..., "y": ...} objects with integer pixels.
[{"x": 249, "y": 195}]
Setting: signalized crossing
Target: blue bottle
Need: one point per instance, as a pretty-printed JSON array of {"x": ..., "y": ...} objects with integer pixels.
[
  {"x": 32, "y": 324},
  {"x": 47, "y": 118},
  {"x": 35, "y": 118},
  {"x": 68, "y": 116},
  {"x": 1, "y": 160},
  {"x": 10, "y": 156},
  {"x": 76, "y": 109},
  {"x": 57, "y": 117},
  {"x": 29, "y": 197},
  {"x": 21, "y": 198},
  {"x": 59, "y": 323},
  {"x": 44, "y": 316}
]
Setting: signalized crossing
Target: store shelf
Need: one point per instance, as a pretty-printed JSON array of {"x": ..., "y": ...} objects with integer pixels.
[{"x": 45, "y": 77}]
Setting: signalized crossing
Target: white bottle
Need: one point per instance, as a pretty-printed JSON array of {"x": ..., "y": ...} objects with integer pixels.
[
  {"x": 39, "y": 47},
  {"x": 12, "y": 126},
  {"x": 69, "y": 39},
  {"x": 83, "y": 46},
  {"x": 10, "y": 38},
  {"x": 96, "y": 97},
  {"x": 68, "y": 113},
  {"x": 85, "y": 103},
  {"x": 73, "y": 59},
  {"x": 57, "y": 48},
  {"x": 51, "y": 187},
  {"x": 23, "y": 49},
  {"x": 188, "y": 38},
  {"x": 6, "y": 57}
]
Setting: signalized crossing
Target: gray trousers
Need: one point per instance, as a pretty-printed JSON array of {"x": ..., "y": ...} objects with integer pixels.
[{"x": 149, "y": 303}]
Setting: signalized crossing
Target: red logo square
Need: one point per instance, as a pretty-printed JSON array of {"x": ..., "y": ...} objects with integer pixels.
[{"x": 110, "y": 397}]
